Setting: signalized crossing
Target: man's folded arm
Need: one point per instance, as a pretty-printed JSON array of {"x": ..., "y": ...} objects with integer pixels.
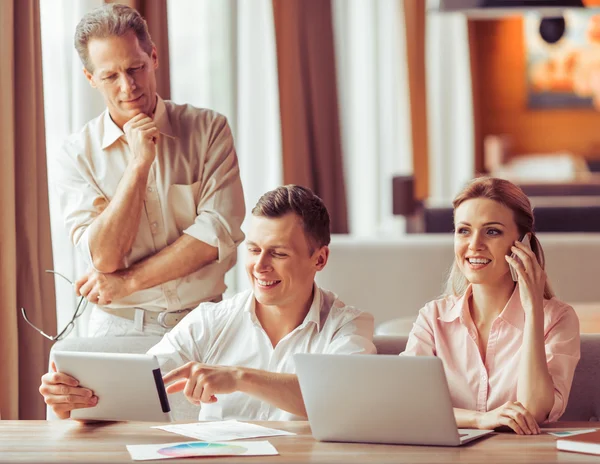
[
  {"x": 216, "y": 231},
  {"x": 103, "y": 231},
  {"x": 113, "y": 231}
]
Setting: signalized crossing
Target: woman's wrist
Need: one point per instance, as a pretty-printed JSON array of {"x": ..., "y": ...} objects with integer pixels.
[
  {"x": 535, "y": 319},
  {"x": 477, "y": 419},
  {"x": 535, "y": 309}
]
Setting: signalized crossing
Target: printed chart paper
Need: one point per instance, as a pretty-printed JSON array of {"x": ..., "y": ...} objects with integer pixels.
[{"x": 199, "y": 448}]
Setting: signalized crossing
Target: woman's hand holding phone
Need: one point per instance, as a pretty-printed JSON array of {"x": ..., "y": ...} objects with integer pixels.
[
  {"x": 525, "y": 240},
  {"x": 530, "y": 275}
]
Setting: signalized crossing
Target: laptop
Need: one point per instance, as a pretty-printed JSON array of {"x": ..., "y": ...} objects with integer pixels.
[
  {"x": 379, "y": 399},
  {"x": 129, "y": 387}
]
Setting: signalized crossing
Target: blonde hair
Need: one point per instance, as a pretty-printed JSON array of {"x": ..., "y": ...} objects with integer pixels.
[{"x": 508, "y": 194}]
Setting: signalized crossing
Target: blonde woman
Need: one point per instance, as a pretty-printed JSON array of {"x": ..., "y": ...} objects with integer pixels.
[{"x": 509, "y": 348}]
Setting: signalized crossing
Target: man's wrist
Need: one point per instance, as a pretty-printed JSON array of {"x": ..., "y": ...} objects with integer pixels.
[
  {"x": 129, "y": 280},
  {"x": 140, "y": 167},
  {"x": 243, "y": 379}
]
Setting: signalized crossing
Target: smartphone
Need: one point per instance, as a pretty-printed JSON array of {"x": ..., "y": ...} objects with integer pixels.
[{"x": 527, "y": 242}]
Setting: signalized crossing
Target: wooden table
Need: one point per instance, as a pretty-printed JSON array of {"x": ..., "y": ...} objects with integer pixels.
[{"x": 68, "y": 441}]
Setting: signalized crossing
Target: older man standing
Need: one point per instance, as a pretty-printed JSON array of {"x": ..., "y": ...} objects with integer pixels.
[{"x": 150, "y": 189}]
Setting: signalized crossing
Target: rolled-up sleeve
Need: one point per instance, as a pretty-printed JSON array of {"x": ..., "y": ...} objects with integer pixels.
[
  {"x": 76, "y": 196},
  {"x": 184, "y": 343},
  {"x": 221, "y": 207},
  {"x": 563, "y": 350},
  {"x": 354, "y": 336},
  {"x": 421, "y": 340}
]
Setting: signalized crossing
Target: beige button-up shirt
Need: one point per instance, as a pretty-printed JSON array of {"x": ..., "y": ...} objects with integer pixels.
[
  {"x": 229, "y": 334},
  {"x": 193, "y": 188}
]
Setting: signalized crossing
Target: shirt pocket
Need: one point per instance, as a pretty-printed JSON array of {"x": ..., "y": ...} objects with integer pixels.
[{"x": 183, "y": 203}]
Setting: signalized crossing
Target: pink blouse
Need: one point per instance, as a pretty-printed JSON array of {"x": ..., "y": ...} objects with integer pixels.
[{"x": 444, "y": 328}]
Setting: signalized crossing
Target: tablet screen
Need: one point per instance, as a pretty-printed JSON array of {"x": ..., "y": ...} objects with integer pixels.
[{"x": 128, "y": 386}]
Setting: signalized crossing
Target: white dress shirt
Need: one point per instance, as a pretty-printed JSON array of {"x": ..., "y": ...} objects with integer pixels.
[
  {"x": 229, "y": 333},
  {"x": 193, "y": 188}
]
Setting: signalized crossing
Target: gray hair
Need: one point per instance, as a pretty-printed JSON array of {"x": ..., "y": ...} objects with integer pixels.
[{"x": 110, "y": 20}]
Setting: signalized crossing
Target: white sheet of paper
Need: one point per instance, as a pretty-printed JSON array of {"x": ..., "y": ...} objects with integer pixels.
[
  {"x": 569, "y": 433},
  {"x": 200, "y": 448},
  {"x": 222, "y": 430}
]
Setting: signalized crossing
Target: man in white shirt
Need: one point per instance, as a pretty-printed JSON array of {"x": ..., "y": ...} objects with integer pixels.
[
  {"x": 235, "y": 357},
  {"x": 150, "y": 190}
]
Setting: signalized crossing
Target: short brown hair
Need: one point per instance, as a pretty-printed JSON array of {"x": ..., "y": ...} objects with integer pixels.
[
  {"x": 110, "y": 20},
  {"x": 510, "y": 195},
  {"x": 302, "y": 202}
]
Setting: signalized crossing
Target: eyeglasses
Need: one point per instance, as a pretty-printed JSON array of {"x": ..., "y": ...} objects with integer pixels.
[{"x": 79, "y": 310}]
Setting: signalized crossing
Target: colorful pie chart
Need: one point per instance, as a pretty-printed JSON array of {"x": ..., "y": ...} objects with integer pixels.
[{"x": 202, "y": 449}]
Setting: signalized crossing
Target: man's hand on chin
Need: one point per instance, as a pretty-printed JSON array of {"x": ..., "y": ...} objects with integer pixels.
[{"x": 141, "y": 134}]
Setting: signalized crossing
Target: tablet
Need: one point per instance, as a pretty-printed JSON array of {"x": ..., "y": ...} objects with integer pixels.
[{"x": 129, "y": 387}]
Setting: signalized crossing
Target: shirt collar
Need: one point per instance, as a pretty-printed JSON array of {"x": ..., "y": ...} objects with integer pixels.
[
  {"x": 250, "y": 308},
  {"x": 313, "y": 315},
  {"x": 512, "y": 312},
  {"x": 112, "y": 132},
  {"x": 161, "y": 118},
  {"x": 460, "y": 305},
  {"x": 314, "y": 312}
]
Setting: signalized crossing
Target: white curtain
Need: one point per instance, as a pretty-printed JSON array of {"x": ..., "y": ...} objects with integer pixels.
[
  {"x": 223, "y": 57},
  {"x": 259, "y": 127},
  {"x": 69, "y": 103},
  {"x": 370, "y": 44},
  {"x": 449, "y": 106},
  {"x": 201, "y": 50}
]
